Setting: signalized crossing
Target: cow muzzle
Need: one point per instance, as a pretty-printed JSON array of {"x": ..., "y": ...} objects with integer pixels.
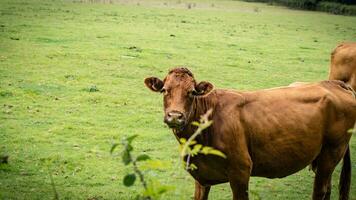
[{"x": 174, "y": 119}]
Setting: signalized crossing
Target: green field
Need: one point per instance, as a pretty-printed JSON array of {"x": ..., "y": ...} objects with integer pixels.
[{"x": 55, "y": 55}]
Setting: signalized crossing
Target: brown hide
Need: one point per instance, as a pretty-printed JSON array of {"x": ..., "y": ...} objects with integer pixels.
[
  {"x": 343, "y": 64},
  {"x": 268, "y": 133}
]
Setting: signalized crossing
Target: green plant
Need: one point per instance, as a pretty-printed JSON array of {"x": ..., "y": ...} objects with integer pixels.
[
  {"x": 190, "y": 148},
  {"x": 152, "y": 189}
]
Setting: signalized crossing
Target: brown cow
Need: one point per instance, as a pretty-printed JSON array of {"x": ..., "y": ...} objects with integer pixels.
[
  {"x": 268, "y": 133},
  {"x": 343, "y": 64}
]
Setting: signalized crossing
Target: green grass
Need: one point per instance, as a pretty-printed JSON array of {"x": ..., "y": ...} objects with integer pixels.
[{"x": 53, "y": 53}]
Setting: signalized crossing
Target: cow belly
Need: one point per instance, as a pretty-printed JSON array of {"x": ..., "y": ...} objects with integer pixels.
[
  {"x": 286, "y": 136},
  {"x": 210, "y": 170},
  {"x": 286, "y": 156}
]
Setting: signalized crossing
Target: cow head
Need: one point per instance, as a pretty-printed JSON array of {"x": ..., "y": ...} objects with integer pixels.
[{"x": 179, "y": 89}]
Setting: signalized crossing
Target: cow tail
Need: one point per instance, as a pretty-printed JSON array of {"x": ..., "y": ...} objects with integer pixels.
[{"x": 345, "y": 177}]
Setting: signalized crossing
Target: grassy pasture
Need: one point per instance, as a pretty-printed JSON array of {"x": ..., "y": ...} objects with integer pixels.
[{"x": 71, "y": 84}]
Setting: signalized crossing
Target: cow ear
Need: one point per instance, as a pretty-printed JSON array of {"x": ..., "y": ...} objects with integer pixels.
[
  {"x": 154, "y": 84},
  {"x": 203, "y": 88}
]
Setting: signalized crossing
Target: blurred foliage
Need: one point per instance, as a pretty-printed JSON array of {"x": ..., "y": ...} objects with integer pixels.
[
  {"x": 340, "y": 7},
  {"x": 190, "y": 148},
  {"x": 152, "y": 189}
]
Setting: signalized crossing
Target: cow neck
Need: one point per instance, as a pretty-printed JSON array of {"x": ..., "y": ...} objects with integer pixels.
[{"x": 199, "y": 107}]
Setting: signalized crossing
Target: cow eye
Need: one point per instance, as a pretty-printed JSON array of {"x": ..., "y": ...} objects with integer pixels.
[{"x": 192, "y": 93}]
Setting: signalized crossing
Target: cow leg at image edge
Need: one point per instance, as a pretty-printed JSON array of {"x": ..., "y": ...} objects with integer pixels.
[
  {"x": 201, "y": 192},
  {"x": 326, "y": 163}
]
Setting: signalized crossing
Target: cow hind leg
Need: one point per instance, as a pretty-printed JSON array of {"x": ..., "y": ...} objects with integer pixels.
[
  {"x": 328, "y": 191},
  {"x": 324, "y": 167},
  {"x": 345, "y": 177},
  {"x": 321, "y": 183}
]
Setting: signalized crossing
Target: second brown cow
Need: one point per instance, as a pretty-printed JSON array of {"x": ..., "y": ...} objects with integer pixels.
[{"x": 343, "y": 64}]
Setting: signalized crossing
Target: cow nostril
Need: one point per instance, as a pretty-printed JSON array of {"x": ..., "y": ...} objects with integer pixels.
[
  {"x": 175, "y": 115},
  {"x": 174, "y": 119}
]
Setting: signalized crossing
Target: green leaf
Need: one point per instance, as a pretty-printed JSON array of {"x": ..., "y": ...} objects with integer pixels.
[
  {"x": 205, "y": 150},
  {"x": 126, "y": 157},
  {"x": 132, "y": 137},
  {"x": 210, "y": 150},
  {"x": 192, "y": 167},
  {"x": 217, "y": 153},
  {"x": 194, "y": 123},
  {"x": 129, "y": 180},
  {"x": 196, "y": 149},
  {"x": 142, "y": 157},
  {"x": 192, "y": 142},
  {"x": 182, "y": 140},
  {"x": 113, "y": 148}
]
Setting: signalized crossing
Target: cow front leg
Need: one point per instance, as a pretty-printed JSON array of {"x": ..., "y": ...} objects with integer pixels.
[
  {"x": 239, "y": 187},
  {"x": 239, "y": 165},
  {"x": 201, "y": 192},
  {"x": 239, "y": 177}
]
